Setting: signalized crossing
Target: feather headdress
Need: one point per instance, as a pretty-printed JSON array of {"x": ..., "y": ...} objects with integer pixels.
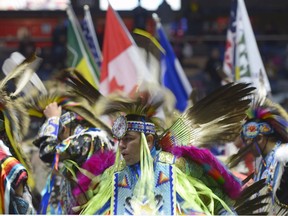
[
  {"x": 268, "y": 112},
  {"x": 15, "y": 116},
  {"x": 263, "y": 116},
  {"x": 67, "y": 97},
  {"x": 149, "y": 101},
  {"x": 216, "y": 117}
]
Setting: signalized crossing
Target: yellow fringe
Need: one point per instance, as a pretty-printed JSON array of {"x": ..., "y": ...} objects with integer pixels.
[
  {"x": 144, "y": 189},
  {"x": 190, "y": 190},
  {"x": 104, "y": 193},
  {"x": 19, "y": 153}
]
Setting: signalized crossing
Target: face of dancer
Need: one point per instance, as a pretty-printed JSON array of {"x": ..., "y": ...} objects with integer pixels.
[
  {"x": 130, "y": 146},
  {"x": 259, "y": 144}
]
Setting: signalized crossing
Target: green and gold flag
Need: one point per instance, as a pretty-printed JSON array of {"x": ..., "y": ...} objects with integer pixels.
[{"x": 79, "y": 55}]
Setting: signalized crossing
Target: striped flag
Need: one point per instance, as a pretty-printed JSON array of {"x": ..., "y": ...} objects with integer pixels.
[
  {"x": 242, "y": 60},
  {"x": 173, "y": 76},
  {"x": 90, "y": 35},
  {"x": 122, "y": 68},
  {"x": 79, "y": 55}
]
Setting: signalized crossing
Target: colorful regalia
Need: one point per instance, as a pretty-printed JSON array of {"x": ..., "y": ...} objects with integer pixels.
[
  {"x": 173, "y": 177},
  {"x": 13, "y": 173},
  {"x": 269, "y": 120},
  {"x": 66, "y": 156},
  {"x": 16, "y": 176}
]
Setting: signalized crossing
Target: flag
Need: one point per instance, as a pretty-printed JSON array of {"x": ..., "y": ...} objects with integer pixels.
[
  {"x": 122, "y": 67},
  {"x": 90, "y": 36},
  {"x": 242, "y": 60},
  {"x": 79, "y": 55},
  {"x": 173, "y": 76}
]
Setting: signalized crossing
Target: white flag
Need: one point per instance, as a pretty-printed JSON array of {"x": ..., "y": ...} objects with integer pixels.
[{"x": 242, "y": 59}]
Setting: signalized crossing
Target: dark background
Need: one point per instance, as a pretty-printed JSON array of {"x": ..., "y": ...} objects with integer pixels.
[{"x": 194, "y": 31}]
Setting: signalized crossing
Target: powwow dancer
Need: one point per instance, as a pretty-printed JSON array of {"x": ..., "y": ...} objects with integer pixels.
[
  {"x": 66, "y": 140},
  {"x": 15, "y": 195},
  {"x": 265, "y": 134},
  {"x": 158, "y": 171}
]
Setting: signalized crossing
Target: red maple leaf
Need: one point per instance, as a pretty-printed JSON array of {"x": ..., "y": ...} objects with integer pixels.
[{"x": 113, "y": 86}]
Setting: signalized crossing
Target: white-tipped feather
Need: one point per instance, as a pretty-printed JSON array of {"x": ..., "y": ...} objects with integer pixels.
[{"x": 16, "y": 67}]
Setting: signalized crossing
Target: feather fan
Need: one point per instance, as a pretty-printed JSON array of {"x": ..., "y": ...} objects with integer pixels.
[{"x": 215, "y": 118}]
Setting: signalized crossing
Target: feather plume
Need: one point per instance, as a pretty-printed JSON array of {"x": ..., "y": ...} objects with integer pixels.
[
  {"x": 103, "y": 160},
  {"x": 22, "y": 73},
  {"x": 146, "y": 101},
  {"x": 248, "y": 178},
  {"x": 217, "y": 117},
  {"x": 64, "y": 95},
  {"x": 244, "y": 205},
  {"x": 212, "y": 167},
  {"x": 78, "y": 84},
  {"x": 249, "y": 191},
  {"x": 265, "y": 110},
  {"x": 281, "y": 154},
  {"x": 9, "y": 105},
  {"x": 15, "y": 115}
]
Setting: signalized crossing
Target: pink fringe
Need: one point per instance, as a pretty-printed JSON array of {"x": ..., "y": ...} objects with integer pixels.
[
  {"x": 96, "y": 165},
  {"x": 203, "y": 156}
]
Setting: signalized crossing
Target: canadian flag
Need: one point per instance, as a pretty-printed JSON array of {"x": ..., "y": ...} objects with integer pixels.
[{"x": 123, "y": 67}]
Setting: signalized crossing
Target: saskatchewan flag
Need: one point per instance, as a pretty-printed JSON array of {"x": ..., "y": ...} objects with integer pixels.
[{"x": 78, "y": 54}]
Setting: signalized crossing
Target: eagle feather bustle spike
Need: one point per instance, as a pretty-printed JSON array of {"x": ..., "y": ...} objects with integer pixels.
[
  {"x": 78, "y": 84},
  {"x": 217, "y": 117}
]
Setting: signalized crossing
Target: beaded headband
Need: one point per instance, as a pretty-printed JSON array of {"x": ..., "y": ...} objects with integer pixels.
[
  {"x": 121, "y": 125},
  {"x": 253, "y": 129}
]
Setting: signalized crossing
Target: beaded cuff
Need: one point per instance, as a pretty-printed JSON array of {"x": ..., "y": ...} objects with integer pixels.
[
  {"x": 50, "y": 128},
  {"x": 68, "y": 117}
]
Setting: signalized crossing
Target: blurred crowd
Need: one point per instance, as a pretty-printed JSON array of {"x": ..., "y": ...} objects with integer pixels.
[{"x": 198, "y": 41}]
